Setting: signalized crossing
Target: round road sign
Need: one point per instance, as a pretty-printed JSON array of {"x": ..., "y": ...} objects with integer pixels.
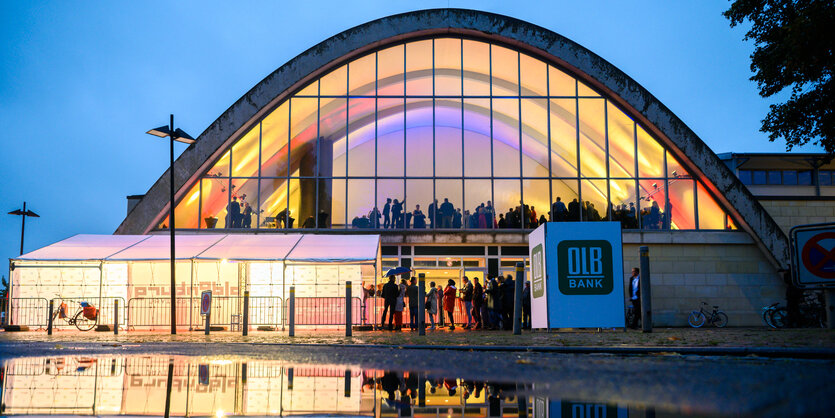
[
  {"x": 205, "y": 303},
  {"x": 818, "y": 255}
]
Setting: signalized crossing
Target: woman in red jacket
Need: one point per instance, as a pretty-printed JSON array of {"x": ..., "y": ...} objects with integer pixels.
[{"x": 449, "y": 302}]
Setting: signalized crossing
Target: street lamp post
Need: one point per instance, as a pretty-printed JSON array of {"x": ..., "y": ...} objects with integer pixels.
[
  {"x": 180, "y": 136},
  {"x": 23, "y": 213}
]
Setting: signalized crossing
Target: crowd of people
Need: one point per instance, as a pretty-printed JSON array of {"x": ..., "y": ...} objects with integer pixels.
[
  {"x": 484, "y": 216},
  {"x": 489, "y": 306}
]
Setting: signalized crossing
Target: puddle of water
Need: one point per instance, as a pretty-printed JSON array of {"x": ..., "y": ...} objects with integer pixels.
[{"x": 217, "y": 386}]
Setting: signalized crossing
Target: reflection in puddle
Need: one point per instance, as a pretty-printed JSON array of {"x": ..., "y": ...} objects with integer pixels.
[{"x": 185, "y": 386}]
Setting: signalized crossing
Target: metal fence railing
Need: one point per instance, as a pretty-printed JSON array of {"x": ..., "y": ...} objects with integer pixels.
[
  {"x": 32, "y": 312},
  {"x": 265, "y": 310},
  {"x": 155, "y": 313},
  {"x": 325, "y": 311}
]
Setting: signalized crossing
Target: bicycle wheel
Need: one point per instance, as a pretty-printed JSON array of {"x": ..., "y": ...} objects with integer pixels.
[
  {"x": 767, "y": 313},
  {"x": 696, "y": 319},
  {"x": 779, "y": 318},
  {"x": 720, "y": 320},
  {"x": 82, "y": 323}
]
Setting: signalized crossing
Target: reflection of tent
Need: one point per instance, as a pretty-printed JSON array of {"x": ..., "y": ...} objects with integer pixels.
[{"x": 135, "y": 268}]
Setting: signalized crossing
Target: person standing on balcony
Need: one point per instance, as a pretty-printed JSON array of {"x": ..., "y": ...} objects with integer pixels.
[
  {"x": 433, "y": 213},
  {"x": 447, "y": 212},
  {"x": 387, "y": 214},
  {"x": 396, "y": 214}
]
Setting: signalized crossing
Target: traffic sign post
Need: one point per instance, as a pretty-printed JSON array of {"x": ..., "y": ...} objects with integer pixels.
[
  {"x": 206, "y": 308},
  {"x": 813, "y": 262}
]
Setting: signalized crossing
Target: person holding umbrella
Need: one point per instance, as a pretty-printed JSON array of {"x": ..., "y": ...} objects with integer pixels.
[{"x": 390, "y": 294}]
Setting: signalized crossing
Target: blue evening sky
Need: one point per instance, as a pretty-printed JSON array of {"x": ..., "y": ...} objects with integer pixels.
[{"x": 81, "y": 82}]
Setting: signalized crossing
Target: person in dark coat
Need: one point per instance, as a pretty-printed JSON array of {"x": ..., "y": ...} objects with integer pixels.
[
  {"x": 374, "y": 218},
  {"x": 508, "y": 289},
  {"x": 574, "y": 210},
  {"x": 246, "y": 216},
  {"x": 526, "y": 306},
  {"x": 390, "y": 293},
  {"x": 478, "y": 301},
  {"x": 467, "y": 291},
  {"x": 387, "y": 214},
  {"x": 447, "y": 211},
  {"x": 412, "y": 294},
  {"x": 494, "y": 303},
  {"x": 419, "y": 217},
  {"x": 433, "y": 213},
  {"x": 233, "y": 220},
  {"x": 323, "y": 219},
  {"x": 397, "y": 214},
  {"x": 558, "y": 211}
]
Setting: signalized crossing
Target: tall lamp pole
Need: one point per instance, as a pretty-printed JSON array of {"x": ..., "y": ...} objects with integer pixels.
[
  {"x": 180, "y": 136},
  {"x": 23, "y": 213}
]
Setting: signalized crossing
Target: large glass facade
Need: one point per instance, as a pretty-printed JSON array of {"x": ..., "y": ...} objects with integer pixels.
[{"x": 446, "y": 133}]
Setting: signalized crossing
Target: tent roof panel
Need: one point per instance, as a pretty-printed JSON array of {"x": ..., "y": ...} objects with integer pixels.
[
  {"x": 83, "y": 247},
  {"x": 336, "y": 249},
  {"x": 251, "y": 247},
  {"x": 296, "y": 248},
  {"x": 158, "y": 247}
]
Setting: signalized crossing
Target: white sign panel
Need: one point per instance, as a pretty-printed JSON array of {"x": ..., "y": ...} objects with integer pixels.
[
  {"x": 583, "y": 271},
  {"x": 539, "y": 300},
  {"x": 813, "y": 254}
]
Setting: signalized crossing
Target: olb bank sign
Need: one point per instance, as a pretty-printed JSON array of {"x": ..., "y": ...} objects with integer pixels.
[{"x": 577, "y": 275}]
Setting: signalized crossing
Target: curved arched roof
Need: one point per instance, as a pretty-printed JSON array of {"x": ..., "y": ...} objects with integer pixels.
[{"x": 679, "y": 139}]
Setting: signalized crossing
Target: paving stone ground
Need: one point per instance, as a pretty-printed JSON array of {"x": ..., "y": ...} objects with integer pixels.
[{"x": 660, "y": 337}]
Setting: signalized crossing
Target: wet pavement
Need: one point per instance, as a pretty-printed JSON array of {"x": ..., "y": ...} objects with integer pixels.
[
  {"x": 124, "y": 378},
  {"x": 814, "y": 338}
]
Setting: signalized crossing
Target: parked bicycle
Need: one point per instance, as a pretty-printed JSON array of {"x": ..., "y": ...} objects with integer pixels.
[
  {"x": 715, "y": 317},
  {"x": 775, "y": 316},
  {"x": 85, "y": 318}
]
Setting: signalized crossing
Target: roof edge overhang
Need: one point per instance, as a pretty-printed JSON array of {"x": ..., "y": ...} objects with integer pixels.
[{"x": 610, "y": 81}]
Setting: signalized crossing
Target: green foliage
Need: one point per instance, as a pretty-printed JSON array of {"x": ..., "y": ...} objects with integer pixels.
[
  {"x": 795, "y": 51},
  {"x": 5, "y": 289}
]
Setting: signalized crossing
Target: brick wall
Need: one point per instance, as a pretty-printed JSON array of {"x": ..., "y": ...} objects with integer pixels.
[
  {"x": 789, "y": 213},
  {"x": 736, "y": 277}
]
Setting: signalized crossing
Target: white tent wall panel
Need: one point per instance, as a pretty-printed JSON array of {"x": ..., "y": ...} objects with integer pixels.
[
  {"x": 266, "y": 279},
  {"x": 115, "y": 282},
  {"x": 56, "y": 282}
]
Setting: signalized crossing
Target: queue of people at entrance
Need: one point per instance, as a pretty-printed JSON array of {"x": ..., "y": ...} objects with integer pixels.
[{"x": 489, "y": 306}]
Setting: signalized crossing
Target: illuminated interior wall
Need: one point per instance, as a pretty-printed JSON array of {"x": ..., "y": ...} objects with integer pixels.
[{"x": 451, "y": 118}]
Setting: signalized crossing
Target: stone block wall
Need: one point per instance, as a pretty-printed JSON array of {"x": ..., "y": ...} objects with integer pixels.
[
  {"x": 790, "y": 213},
  {"x": 735, "y": 276}
]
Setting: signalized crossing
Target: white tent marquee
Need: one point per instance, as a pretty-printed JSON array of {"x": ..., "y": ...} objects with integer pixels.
[{"x": 135, "y": 269}]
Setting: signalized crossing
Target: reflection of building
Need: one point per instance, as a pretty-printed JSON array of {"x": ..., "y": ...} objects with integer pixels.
[
  {"x": 139, "y": 385},
  {"x": 478, "y": 109}
]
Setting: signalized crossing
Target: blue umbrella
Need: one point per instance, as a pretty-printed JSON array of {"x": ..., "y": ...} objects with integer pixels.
[{"x": 397, "y": 271}]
